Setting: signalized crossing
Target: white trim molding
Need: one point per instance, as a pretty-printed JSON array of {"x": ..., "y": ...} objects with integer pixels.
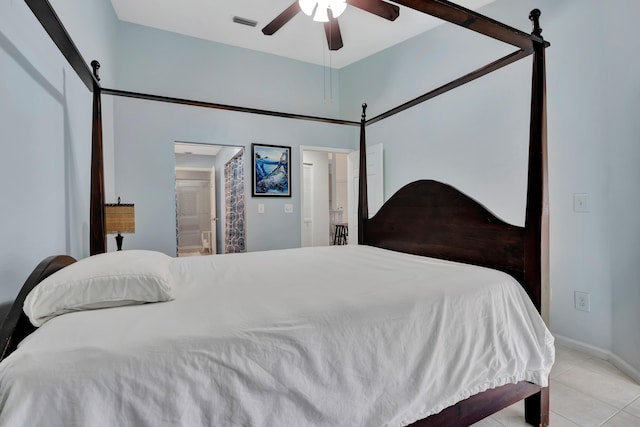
[{"x": 591, "y": 350}]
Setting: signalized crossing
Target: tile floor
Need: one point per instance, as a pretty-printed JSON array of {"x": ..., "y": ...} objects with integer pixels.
[{"x": 585, "y": 391}]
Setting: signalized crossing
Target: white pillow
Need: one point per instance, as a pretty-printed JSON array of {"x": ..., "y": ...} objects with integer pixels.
[{"x": 107, "y": 280}]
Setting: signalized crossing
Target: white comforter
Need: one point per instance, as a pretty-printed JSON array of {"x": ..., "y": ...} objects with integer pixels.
[{"x": 337, "y": 336}]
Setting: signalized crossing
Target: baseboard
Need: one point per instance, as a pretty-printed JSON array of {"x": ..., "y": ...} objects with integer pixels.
[{"x": 594, "y": 351}]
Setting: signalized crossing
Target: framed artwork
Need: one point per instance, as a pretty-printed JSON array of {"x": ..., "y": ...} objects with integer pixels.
[{"x": 271, "y": 175}]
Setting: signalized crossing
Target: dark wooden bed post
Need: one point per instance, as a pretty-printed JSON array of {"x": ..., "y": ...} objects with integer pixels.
[
  {"x": 363, "y": 206},
  {"x": 98, "y": 243},
  {"x": 537, "y": 213}
]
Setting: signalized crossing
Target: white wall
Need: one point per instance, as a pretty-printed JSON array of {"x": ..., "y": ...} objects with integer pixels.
[
  {"x": 45, "y": 126},
  {"x": 475, "y": 137}
]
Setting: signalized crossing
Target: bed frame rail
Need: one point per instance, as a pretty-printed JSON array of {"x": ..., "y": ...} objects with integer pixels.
[
  {"x": 479, "y": 406},
  {"x": 16, "y": 325}
]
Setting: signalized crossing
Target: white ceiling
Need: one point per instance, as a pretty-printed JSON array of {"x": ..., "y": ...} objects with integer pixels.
[
  {"x": 301, "y": 38},
  {"x": 196, "y": 149}
]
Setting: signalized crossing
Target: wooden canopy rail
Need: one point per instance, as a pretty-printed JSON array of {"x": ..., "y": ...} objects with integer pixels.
[
  {"x": 192, "y": 103},
  {"x": 49, "y": 20},
  {"x": 474, "y": 21},
  {"x": 489, "y": 68},
  {"x": 442, "y": 9}
]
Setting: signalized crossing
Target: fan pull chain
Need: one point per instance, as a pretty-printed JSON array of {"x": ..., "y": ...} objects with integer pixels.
[
  {"x": 324, "y": 71},
  {"x": 330, "y": 67},
  {"x": 324, "y": 63}
]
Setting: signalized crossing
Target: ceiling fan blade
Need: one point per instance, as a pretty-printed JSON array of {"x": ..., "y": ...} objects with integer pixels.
[
  {"x": 334, "y": 37},
  {"x": 377, "y": 7},
  {"x": 281, "y": 19}
]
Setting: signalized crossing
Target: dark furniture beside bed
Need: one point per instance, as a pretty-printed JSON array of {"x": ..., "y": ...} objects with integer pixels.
[
  {"x": 424, "y": 218},
  {"x": 341, "y": 234}
]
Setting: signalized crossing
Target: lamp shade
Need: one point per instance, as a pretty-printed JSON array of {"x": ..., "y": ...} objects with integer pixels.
[{"x": 119, "y": 218}]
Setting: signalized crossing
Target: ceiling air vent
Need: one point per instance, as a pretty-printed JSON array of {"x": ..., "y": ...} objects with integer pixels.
[{"x": 244, "y": 21}]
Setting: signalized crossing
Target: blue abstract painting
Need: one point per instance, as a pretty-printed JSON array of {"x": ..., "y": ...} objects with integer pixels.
[{"x": 271, "y": 170}]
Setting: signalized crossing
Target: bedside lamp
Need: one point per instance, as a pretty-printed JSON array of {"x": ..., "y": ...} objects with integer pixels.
[{"x": 119, "y": 218}]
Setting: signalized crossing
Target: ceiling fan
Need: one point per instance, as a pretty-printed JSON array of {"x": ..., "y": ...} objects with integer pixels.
[{"x": 327, "y": 11}]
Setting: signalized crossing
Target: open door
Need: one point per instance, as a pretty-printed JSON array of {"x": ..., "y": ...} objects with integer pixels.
[
  {"x": 315, "y": 198},
  {"x": 375, "y": 185},
  {"x": 321, "y": 195},
  {"x": 213, "y": 218},
  {"x": 192, "y": 214},
  {"x": 307, "y": 205}
]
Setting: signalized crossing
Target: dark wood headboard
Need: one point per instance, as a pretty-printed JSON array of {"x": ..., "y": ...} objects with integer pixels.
[{"x": 433, "y": 219}]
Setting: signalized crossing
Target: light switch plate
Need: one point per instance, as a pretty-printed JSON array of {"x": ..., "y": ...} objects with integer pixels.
[
  {"x": 288, "y": 208},
  {"x": 581, "y": 202},
  {"x": 261, "y": 208}
]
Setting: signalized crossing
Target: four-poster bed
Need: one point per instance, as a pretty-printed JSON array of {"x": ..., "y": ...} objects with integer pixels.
[{"x": 424, "y": 218}]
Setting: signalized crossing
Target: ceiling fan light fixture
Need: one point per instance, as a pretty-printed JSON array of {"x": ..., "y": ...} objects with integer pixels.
[
  {"x": 338, "y": 7},
  {"x": 322, "y": 13},
  {"x": 307, "y": 6},
  {"x": 319, "y": 9}
]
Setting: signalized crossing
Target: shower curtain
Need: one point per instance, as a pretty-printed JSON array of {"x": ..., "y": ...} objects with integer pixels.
[{"x": 234, "y": 234}]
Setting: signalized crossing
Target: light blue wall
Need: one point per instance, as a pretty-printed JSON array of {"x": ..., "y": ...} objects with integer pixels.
[
  {"x": 45, "y": 127},
  {"x": 92, "y": 26},
  {"x": 165, "y": 63},
  {"x": 158, "y": 62},
  {"x": 622, "y": 140},
  {"x": 475, "y": 137},
  {"x": 145, "y": 134}
]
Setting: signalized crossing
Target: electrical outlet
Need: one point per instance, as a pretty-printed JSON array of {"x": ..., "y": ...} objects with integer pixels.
[{"x": 582, "y": 301}]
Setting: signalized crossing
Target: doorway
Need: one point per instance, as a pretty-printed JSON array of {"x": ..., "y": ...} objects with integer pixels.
[
  {"x": 324, "y": 195},
  {"x": 195, "y": 202},
  {"x": 203, "y": 191}
]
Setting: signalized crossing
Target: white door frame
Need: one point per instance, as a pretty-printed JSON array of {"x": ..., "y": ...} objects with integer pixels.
[
  {"x": 304, "y": 148},
  {"x": 213, "y": 219}
]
